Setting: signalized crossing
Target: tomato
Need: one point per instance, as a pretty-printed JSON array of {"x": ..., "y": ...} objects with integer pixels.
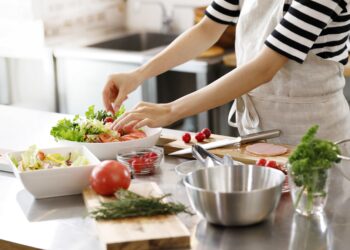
[
  {"x": 261, "y": 162},
  {"x": 107, "y": 137},
  {"x": 151, "y": 155},
  {"x": 200, "y": 136},
  {"x": 138, "y": 164},
  {"x": 271, "y": 164},
  {"x": 186, "y": 137},
  {"x": 41, "y": 155},
  {"x": 136, "y": 134},
  {"x": 206, "y": 132},
  {"x": 109, "y": 176},
  {"x": 108, "y": 119}
]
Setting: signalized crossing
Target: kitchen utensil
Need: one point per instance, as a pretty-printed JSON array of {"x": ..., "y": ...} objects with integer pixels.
[
  {"x": 108, "y": 150},
  {"x": 227, "y": 160},
  {"x": 242, "y": 139},
  {"x": 156, "y": 232},
  {"x": 45, "y": 183},
  {"x": 200, "y": 153},
  {"x": 232, "y": 196}
]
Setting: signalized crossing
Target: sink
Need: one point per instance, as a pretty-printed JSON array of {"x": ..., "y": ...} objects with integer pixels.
[{"x": 137, "y": 41}]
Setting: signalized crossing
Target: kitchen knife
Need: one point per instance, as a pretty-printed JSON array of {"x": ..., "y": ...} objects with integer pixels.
[{"x": 268, "y": 134}]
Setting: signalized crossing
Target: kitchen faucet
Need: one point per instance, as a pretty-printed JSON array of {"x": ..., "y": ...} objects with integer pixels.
[{"x": 167, "y": 18}]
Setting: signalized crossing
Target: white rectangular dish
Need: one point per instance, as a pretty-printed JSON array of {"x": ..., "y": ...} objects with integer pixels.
[{"x": 45, "y": 183}]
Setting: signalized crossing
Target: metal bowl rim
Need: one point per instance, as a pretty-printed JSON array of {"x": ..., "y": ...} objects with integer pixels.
[{"x": 233, "y": 192}]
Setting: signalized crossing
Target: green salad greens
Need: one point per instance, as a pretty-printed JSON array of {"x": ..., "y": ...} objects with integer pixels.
[
  {"x": 310, "y": 162},
  {"x": 35, "y": 159},
  {"x": 86, "y": 129}
]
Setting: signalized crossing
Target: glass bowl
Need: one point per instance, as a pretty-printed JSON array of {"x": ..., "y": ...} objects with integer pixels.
[{"x": 141, "y": 161}]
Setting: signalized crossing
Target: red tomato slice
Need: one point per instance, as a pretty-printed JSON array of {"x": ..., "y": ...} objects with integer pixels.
[{"x": 106, "y": 137}]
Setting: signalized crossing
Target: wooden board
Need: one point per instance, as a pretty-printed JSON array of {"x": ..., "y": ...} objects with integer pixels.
[
  {"x": 156, "y": 232},
  {"x": 237, "y": 152}
]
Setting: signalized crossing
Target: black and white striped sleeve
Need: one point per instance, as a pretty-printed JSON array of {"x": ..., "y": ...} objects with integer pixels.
[
  {"x": 298, "y": 30},
  {"x": 223, "y": 11}
]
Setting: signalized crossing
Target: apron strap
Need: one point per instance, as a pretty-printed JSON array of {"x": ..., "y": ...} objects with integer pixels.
[{"x": 250, "y": 118}]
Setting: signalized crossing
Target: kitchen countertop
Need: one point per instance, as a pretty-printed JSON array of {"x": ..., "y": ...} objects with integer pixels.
[{"x": 62, "y": 223}]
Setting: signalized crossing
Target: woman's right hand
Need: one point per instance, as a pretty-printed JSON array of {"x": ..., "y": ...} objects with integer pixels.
[{"x": 117, "y": 88}]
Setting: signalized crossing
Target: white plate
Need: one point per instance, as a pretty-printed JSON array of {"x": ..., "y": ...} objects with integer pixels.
[
  {"x": 109, "y": 150},
  {"x": 187, "y": 167},
  {"x": 4, "y": 164}
]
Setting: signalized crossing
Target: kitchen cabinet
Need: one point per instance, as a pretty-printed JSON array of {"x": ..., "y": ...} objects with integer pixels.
[
  {"x": 28, "y": 81},
  {"x": 80, "y": 83}
]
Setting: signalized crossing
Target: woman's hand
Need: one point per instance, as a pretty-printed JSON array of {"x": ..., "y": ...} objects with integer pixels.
[
  {"x": 117, "y": 88},
  {"x": 146, "y": 114}
]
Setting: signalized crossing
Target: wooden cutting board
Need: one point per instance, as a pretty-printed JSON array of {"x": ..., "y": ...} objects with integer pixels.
[
  {"x": 142, "y": 233},
  {"x": 237, "y": 152}
]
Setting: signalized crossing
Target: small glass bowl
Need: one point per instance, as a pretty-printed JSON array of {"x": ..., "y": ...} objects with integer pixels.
[{"x": 141, "y": 161}]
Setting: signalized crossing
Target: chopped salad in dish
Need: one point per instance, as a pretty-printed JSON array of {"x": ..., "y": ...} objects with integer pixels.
[
  {"x": 95, "y": 127},
  {"x": 35, "y": 159}
]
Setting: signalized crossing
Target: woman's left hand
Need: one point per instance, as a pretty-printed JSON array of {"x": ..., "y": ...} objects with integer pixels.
[{"x": 146, "y": 114}]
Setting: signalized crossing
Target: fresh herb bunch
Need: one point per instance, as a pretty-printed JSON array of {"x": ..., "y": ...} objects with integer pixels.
[
  {"x": 310, "y": 162},
  {"x": 84, "y": 130},
  {"x": 129, "y": 204}
]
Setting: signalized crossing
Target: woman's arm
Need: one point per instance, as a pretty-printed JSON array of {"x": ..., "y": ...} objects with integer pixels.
[
  {"x": 258, "y": 71},
  {"x": 187, "y": 46}
]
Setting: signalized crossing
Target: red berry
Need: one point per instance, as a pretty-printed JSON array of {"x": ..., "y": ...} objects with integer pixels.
[
  {"x": 186, "y": 137},
  {"x": 271, "y": 164},
  {"x": 261, "y": 162},
  {"x": 206, "y": 132},
  {"x": 200, "y": 136}
]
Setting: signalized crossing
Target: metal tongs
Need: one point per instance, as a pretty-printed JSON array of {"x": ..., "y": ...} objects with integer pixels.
[{"x": 209, "y": 159}]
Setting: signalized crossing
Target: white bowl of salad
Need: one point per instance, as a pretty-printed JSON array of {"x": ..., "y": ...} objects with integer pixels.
[
  {"x": 53, "y": 172},
  {"x": 93, "y": 131}
]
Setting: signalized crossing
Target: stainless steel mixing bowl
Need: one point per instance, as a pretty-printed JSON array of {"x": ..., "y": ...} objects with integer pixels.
[{"x": 232, "y": 196}]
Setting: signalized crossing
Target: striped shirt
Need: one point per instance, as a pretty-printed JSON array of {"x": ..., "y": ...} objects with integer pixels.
[{"x": 320, "y": 27}]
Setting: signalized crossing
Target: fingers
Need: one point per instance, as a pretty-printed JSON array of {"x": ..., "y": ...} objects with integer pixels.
[
  {"x": 121, "y": 97},
  {"x": 127, "y": 118},
  {"x": 142, "y": 123},
  {"x": 106, "y": 99}
]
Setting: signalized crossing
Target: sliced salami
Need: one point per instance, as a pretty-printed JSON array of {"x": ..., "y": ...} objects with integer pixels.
[{"x": 266, "y": 149}]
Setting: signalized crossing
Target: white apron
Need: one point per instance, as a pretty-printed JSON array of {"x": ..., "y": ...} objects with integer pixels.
[{"x": 299, "y": 95}]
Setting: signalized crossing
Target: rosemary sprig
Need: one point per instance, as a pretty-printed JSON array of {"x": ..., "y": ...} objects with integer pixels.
[{"x": 130, "y": 204}]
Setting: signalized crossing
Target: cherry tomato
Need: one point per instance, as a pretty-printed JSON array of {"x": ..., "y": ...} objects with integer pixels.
[
  {"x": 207, "y": 132},
  {"x": 151, "y": 155},
  {"x": 109, "y": 176},
  {"x": 200, "y": 136},
  {"x": 41, "y": 155},
  {"x": 186, "y": 137},
  {"x": 271, "y": 164},
  {"x": 261, "y": 162},
  {"x": 138, "y": 164},
  {"x": 108, "y": 119}
]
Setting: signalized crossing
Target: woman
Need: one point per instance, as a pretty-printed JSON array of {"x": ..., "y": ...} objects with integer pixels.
[{"x": 289, "y": 75}]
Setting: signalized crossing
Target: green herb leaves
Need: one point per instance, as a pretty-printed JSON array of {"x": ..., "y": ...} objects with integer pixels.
[
  {"x": 81, "y": 130},
  {"x": 130, "y": 204},
  {"x": 310, "y": 162}
]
